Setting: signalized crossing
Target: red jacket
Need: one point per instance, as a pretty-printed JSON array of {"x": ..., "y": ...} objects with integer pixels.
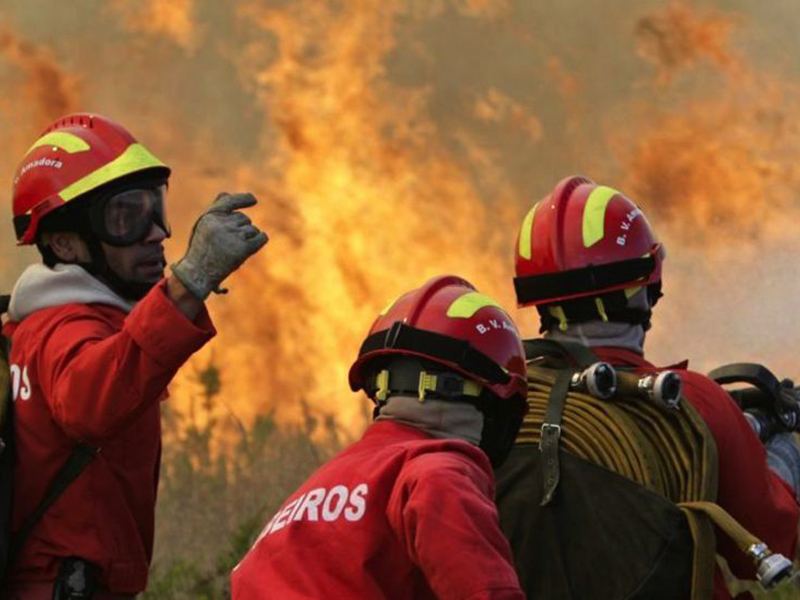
[
  {"x": 397, "y": 515},
  {"x": 90, "y": 372},
  {"x": 760, "y": 500}
]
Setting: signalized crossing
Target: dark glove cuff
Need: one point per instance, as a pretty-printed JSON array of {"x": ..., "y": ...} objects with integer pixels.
[{"x": 193, "y": 279}]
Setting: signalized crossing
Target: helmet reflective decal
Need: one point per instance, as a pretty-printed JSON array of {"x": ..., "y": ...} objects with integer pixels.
[
  {"x": 68, "y": 142},
  {"x": 525, "y": 248},
  {"x": 135, "y": 158},
  {"x": 594, "y": 214},
  {"x": 464, "y": 307}
]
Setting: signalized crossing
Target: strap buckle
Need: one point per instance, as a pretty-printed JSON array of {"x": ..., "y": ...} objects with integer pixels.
[
  {"x": 546, "y": 427},
  {"x": 447, "y": 385},
  {"x": 427, "y": 382},
  {"x": 382, "y": 385}
]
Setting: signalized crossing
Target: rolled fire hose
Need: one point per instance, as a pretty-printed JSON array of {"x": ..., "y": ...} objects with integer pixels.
[{"x": 667, "y": 450}]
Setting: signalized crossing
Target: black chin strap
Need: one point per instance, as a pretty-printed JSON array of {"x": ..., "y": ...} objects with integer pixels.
[{"x": 99, "y": 269}]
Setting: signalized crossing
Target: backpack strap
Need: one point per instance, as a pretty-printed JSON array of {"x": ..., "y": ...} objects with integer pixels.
[
  {"x": 77, "y": 462},
  {"x": 551, "y": 433},
  {"x": 578, "y": 354},
  {"x": 668, "y": 451}
]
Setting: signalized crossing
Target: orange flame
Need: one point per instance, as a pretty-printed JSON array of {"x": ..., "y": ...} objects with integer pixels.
[
  {"x": 363, "y": 201},
  {"x": 368, "y": 190}
]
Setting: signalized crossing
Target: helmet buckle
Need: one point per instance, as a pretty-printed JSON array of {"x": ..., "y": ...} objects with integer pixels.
[
  {"x": 447, "y": 385},
  {"x": 451, "y": 385},
  {"x": 427, "y": 382},
  {"x": 382, "y": 383}
]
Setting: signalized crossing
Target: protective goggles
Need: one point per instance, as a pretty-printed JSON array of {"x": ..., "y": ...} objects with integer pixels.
[{"x": 127, "y": 217}]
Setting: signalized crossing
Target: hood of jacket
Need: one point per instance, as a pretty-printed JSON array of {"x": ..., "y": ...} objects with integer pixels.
[
  {"x": 41, "y": 287},
  {"x": 437, "y": 418}
]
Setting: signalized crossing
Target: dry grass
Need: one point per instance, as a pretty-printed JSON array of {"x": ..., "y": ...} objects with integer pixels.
[{"x": 213, "y": 502}]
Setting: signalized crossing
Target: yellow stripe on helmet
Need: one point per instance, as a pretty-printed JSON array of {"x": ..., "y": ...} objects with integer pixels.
[
  {"x": 467, "y": 305},
  {"x": 594, "y": 214},
  {"x": 68, "y": 142},
  {"x": 135, "y": 158},
  {"x": 525, "y": 234}
]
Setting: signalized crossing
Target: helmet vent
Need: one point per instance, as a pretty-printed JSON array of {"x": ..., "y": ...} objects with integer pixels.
[
  {"x": 573, "y": 184},
  {"x": 71, "y": 121}
]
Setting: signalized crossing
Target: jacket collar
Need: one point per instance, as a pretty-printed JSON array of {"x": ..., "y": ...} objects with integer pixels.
[{"x": 41, "y": 287}]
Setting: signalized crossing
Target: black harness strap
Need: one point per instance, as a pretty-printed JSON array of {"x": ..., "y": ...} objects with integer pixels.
[
  {"x": 460, "y": 352},
  {"x": 81, "y": 456},
  {"x": 578, "y": 354},
  {"x": 551, "y": 434},
  {"x": 78, "y": 460},
  {"x": 534, "y": 288}
]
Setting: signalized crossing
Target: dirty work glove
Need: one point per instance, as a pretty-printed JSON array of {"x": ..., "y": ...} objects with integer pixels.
[{"x": 222, "y": 239}]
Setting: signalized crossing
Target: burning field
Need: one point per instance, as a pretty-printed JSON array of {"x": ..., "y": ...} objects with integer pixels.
[{"x": 391, "y": 140}]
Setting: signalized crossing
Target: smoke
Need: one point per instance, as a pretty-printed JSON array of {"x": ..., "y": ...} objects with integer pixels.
[
  {"x": 678, "y": 37},
  {"x": 43, "y": 86},
  {"x": 496, "y": 107},
  {"x": 718, "y": 174},
  {"x": 173, "y": 19},
  {"x": 32, "y": 78}
]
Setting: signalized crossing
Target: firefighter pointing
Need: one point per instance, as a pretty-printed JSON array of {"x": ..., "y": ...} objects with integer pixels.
[
  {"x": 97, "y": 332},
  {"x": 407, "y": 512},
  {"x": 618, "y": 497}
]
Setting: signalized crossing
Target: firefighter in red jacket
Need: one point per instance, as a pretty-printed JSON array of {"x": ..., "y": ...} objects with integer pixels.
[
  {"x": 96, "y": 334},
  {"x": 407, "y": 512},
  {"x": 587, "y": 258}
]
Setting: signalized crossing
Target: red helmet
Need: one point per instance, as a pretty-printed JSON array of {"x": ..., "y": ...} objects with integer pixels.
[
  {"x": 582, "y": 240},
  {"x": 448, "y": 322},
  {"x": 75, "y": 155}
]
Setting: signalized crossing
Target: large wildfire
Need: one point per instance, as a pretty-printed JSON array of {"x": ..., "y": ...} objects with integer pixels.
[{"x": 393, "y": 140}]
